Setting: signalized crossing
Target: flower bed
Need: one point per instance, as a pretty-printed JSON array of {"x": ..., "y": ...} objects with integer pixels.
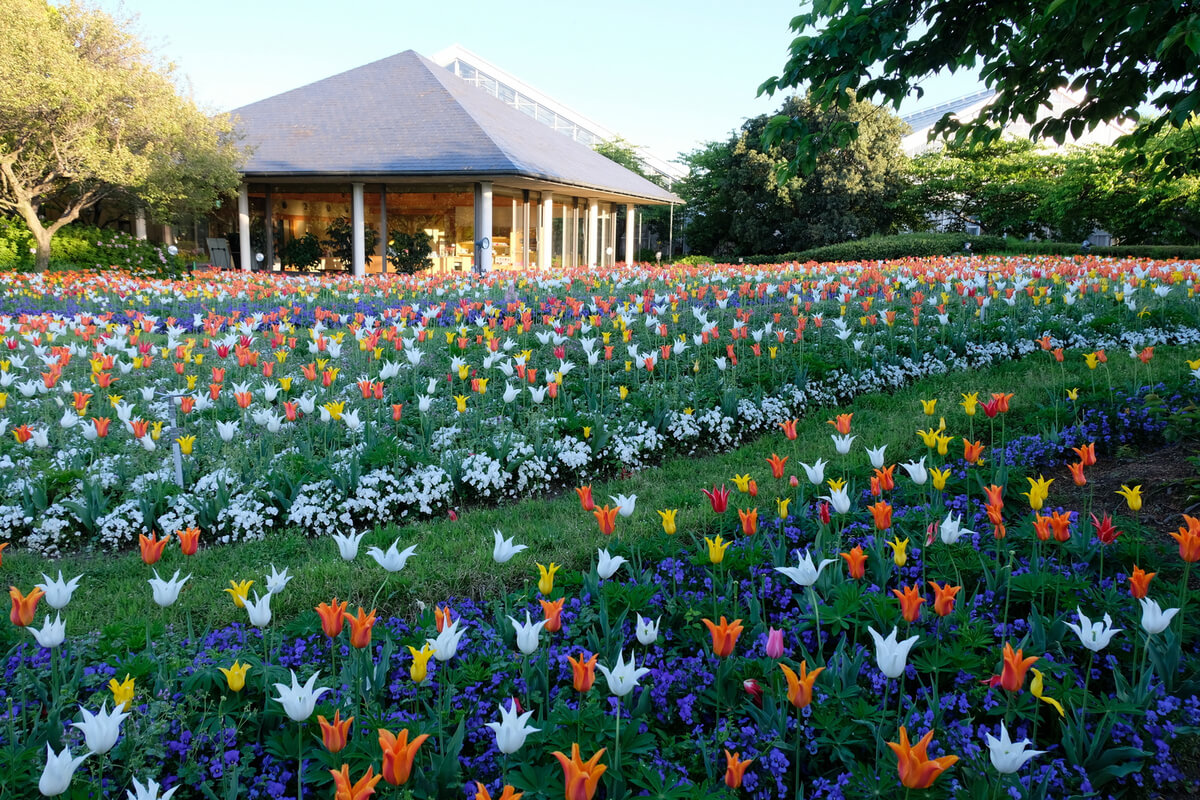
[
  {"x": 888, "y": 632},
  {"x": 243, "y": 403}
]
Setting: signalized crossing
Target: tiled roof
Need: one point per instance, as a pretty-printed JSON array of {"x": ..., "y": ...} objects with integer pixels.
[
  {"x": 925, "y": 118},
  {"x": 406, "y": 116}
]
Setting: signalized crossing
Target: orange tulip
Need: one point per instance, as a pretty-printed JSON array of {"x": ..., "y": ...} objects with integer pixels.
[
  {"x": 585, "y": 497},
  {"x": 800, "y": 687},
  {"x": 882, "y": 512},
  {"x": 2, "y": 546},
  {"x": 152, "y": 548},
  {"x": 398, "y": 754},
  {"x": 1041, "y": 527},
  {"x": 789, "y": 428},
  {"x": 917, "y": 771},
  {"x": 735, "y": 768},
  {"x": 777, "y": 464},
  {"x": 1139, "y": 582},
  {"x": 841, "y": 424},
  {"x": 856, "y": 562},
  {"x": 441, "y": 617},
  {"x": 334, "y": 734},
  {"x": 553, "y": 612},
  {"x": 910, "y": 602},
  {"x": 364, "y": 788},
  {"x": 189, "y": 540},
  {"x": 995, "y": 514},
  {"x": 943, "y": 600},
  {"x": 995, "y": 495},
  {"x": 724, "y": 635},
  {"x": 607, "y": 518},
  {"x": 1061, "y": 523},
  {"x": 1086, "y": 453},
  {"x": 332, "y": 617},
  {"x": 509, "y": 793},
  {"x": 360, "y": 629},
  {"x": 972, "y": 451},
  {"x": 749, "y": 518},
  {"x": 886, "y": 482},
  {"x": 1012, "y": 676},
  {"x": 1001, "y": 401},
  {"x": 1189, "y": 540},
  {"x": 24, "y": 607},
  {"x": 1077, "y": 473},
  {"x": 580, "y": 777},
  {"x": 584, "y": 671}
]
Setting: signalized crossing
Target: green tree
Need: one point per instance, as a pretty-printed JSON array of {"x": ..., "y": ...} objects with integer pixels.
[
  {"x": 738, "y": 205},
  {"x": 85, "y": 115},
  {"x": 999, "y": 186},
  {"x": 1119, "y": 56}
]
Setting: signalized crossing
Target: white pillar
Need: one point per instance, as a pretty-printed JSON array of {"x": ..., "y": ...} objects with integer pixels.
[
  {"x": 574, "y": 232},
  {"x": 245, "y": 257},
  {"x": 139, "y": 224},
  {"x": 358, "y": 262},
  {"x": 483, "y": 234},
  {"x": 630, "y": 230},
  {"x": 604, "y": 231},
  {"x": 383, "y": 229},
  {"x": 546, "y": 234},
  {"x": 593, "y": 232},
  {"x": 525, "y": 230}
]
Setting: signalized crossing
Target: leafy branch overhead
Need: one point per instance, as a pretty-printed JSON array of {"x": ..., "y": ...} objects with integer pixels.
[{"x": 1117, "y": 57}]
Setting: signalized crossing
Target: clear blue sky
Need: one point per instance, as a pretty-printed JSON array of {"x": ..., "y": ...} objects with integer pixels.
[{"x": 668, "y": 75}]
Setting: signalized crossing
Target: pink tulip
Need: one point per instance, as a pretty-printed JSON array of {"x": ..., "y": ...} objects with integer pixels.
[{"x": 774, "y": 643}]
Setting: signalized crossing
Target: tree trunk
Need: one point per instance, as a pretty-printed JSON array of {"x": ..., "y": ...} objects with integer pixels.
[{"x": 42, "y": 259}]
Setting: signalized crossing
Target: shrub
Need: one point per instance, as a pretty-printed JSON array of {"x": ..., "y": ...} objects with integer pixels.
[
  {"x": 86, "y": 247},
  {"x": 409, "y": 252}
]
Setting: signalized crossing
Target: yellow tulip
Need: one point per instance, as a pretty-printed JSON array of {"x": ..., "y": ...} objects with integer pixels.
[
  {"x": 186, "y": 443},
  {"x": 587, "y": 432},
  {"x": 240, "y": 592},
  {"x": 970, "y": 403},
  {"x": 235, "y": 676},
  {"x": 899, "y": 551},
  {"x": 122, "y": 692},
  {"x": 1092, "y": 360},
  {"x": 624, "y": 392},
  {"x": 1073, "y": 394},
  {"x": 742, "y": 482},
  {"x": 461, "y": 401},
  {"x": 335, "y": 409},
  {"x": 929, "y": 406},
  {"x": 286, "y": 383},
  {"x": 546, "y": 581},
  {"x": 420, "y": 666},
  {"x": 781, "y": 506},
  {"x": 1132, "y": 496},
  {"x": 668, "y": 520},
  {"x": 1037, "y": 689},
  {"x": 943, "y": 444},
  {"x": 836, "y": 484},
  {"x": 929, "y": 437},
  {"x": 939, "y": 477},
  {"x": 716, "y": 549},
  {"x": 191, "y": 382}
]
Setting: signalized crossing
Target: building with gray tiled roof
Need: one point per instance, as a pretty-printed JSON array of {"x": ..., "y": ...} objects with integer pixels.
[{"x": 402, "y": 144}]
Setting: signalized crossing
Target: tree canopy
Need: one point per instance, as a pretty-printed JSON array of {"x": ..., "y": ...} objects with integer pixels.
[
  {"x": 1118, "y": 56},
  {"x": 1017, "y": 188},
  {"x": 738, "y": 205},
  {"x": 85, "y": 115}
]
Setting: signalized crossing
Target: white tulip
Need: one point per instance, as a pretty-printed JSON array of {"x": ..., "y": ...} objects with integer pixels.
[
  {"x": 348, "y": 544},
  {"x": 1154, "y": 619},
  {"x": 842, "y": 443},
  {"x": 647, "y": 631},
  {"x": 916, "y": 471},
  {"x": 890, "y": 654},
  {"x": 527, "y": 634},
  {"x": 166, "y": 592},
  {"x": 512, "y": 729},
  {"x": 1095, "y": 636},
  {"x": 59, "y": 769},
  {"x": 503, "y": 549},
  {"x": 876, "y": 456},
  {"x": 624, "y": 504},
  {"x": 59, "y": 592},
  {"x": 951, "y": 529},
  {"x": 816, "y": 472},
  {"x": 259, "y": 610},
  {"x": 622, "y": 678},
  {"x": 101, "y": 731},
  {"x": 805, "y": 573},
  {"x": 51, "y": 634},
  {"x": 298, "y": 701},
  {"x": 1006, "y": 756},
  {"x": 393, "y": 560},
  {"x": 608, "y": 565},
  {"x": 276, "y": 581},
  {"x": 445, "y": 646}
]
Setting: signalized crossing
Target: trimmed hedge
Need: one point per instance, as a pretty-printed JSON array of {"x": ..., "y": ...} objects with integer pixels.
[{"x": 924, "y": 245}]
